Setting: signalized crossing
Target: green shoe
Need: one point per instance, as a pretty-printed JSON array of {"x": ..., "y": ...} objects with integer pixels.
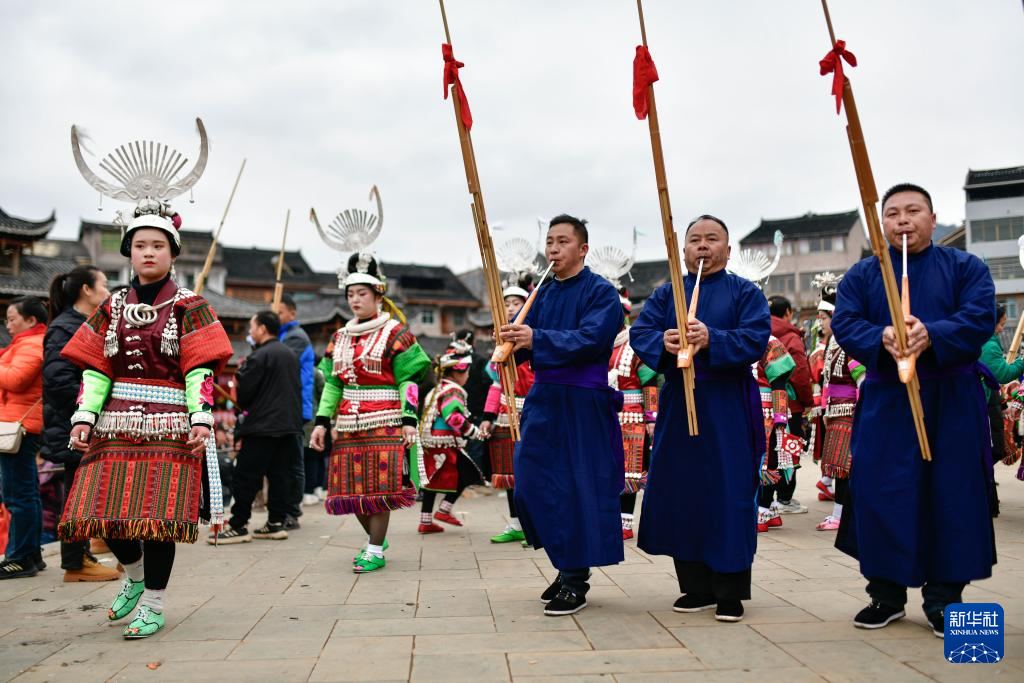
[
  {"x": 363, "y": 550},
  {"x": 126, "y": 600},
  {"x": 368, "y": 563},
  {"x": 146, "y": 623},
  {"x": 525, "y": 543},
  {"x": 508, "y": 535}
]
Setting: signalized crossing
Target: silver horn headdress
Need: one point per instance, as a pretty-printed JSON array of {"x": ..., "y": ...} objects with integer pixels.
[
  {"x": 827, "y": 284},
  {"x": 353, "y": 231},
  {"x": 613, "y": 264},
  {"x": 518, "y": 259},
  {"x": 754, "y": 265},
  {"x": 146, "y": 173}
]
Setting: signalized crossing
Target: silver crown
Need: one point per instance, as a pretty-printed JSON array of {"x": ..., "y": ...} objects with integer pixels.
[
  {"x": 144, "y": 172},
  {"x": 754, "y": 264},
  {"x": 612, "y": 263}
]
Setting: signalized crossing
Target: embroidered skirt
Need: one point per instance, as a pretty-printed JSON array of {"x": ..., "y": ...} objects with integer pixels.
[
  {"x": 633, "y": 447},
  {"x": 366, "y": 473},
  {"x": 836, "y": 457},
  {"x": 501, "y": 449},
  {"x": 140, "y": 490}
]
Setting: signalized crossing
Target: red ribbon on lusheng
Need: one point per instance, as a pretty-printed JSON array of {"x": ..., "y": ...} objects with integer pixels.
[
  {"x": 832, "y": 63},
  {"x": 644, "y": 74},
  {"x": 451, "y": 77}
]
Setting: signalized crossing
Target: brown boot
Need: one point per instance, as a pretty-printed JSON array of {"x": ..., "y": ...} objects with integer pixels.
[
  {"x": 91, "y": 571},
  {"x": 98, "y": 546}
]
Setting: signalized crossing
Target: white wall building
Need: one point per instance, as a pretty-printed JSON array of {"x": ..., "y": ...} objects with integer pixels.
[{"x": 994, "y": 218}]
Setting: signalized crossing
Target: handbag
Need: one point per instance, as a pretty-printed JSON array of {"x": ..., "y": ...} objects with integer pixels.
[{"x": 11, "y": 433}]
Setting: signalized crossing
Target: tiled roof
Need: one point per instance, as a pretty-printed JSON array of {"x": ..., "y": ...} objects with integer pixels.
[
  {"x": 647, "y": 277},
  {"x": 411, "y": 282},
  {"x": 34, "y": 276},
  {"x": 993, "y": 176},
  {"x": 260, "y": 265},
  {"x": 228, "y": 307},
  {"x": 11, "y": 226},
  {"x": 808, "y": 225},
  {"x": 68, "y": 249}
]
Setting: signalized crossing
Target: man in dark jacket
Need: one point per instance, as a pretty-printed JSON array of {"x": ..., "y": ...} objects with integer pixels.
[
  {"x": 296, "y": 339},
  {"x": 801, "y": 393},
  {"x": 270, "y": 394},
  {"x": 61, "y": 380}
]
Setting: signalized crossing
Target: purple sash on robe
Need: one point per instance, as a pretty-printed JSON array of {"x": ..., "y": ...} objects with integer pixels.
[{"x": 584, "y": 377}]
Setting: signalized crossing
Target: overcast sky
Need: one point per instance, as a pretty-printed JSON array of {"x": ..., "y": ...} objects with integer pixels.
[{"x": 327, "y": 98}]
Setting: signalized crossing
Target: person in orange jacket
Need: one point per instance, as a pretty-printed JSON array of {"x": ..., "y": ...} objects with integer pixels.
[{"x": 21, "y": 391}]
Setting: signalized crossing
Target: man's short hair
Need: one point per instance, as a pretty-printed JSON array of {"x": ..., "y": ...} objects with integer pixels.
[
  {"x": 706, "y": 217},
  {"x": 907, "y": 187},
  {"x": 778, "y": 305},
  {"x": 289, "y": 302},
  {"x": 579, "y": 226},
  {"x": 269, "y": 320}
]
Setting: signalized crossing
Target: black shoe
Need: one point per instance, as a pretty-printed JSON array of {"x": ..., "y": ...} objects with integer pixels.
[
  {"x": 274, "y": 532},
  {"x": 228, "y": 535},
  {"x": 693, "y": 603},
  {"x": 291, "y": 523},
  {"x": 729, "y": 610},
  {"x": 16, "y": 569},
  {"x": 566, "y": 602},
  {"x": 38, "y": 559},
  {"x": 877, "y": 615},
  {"x": 551, "y": 591},
  {"x": 938, "y": 622}
]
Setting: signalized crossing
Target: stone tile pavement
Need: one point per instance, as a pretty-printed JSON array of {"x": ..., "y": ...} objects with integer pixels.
[{"x": 454, "y": 607}]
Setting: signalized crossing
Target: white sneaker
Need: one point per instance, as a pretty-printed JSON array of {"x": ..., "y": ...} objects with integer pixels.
[
  {"x": 793, "y": 507},
  {"x": 320, "y": 493},
  {"x": 309, "y": 499}
]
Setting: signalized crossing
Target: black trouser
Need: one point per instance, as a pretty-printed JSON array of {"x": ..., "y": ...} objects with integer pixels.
[
  {"x": 315, "y": 469},
  {"x": 430, "y": 496},
  {"x": 937, "y": 595},
  {"x": 296, "y": 480},
  {"x": 696, "y": 578},
  {"x": 627, "y": 503},
  {"x": 158, "y": 562},
  {"x": 73, "y": 553},
  {"x": 269, "y": 456}
]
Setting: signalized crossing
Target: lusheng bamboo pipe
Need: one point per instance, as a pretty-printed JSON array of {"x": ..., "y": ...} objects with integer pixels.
[
  {"x": 687, "y": 358},
  {"x": 1011, "y": 354},
  {"x": 201, "y": 280},
  {"x": 906, "y": 365},
  {"x": 671, "y": 242},
  {"x": 869, "y": 202},
  {"x": 278, "y": 285},
  {"x": 492, "y": 276},
  {"x": 502, "y": 352}
]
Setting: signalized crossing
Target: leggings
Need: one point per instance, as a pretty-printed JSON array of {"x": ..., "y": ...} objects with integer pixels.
[
  {"x": 627, "y": 503},
  {"x": 429, "y": 496},
  {"x": 511, "y": 496},
  {"x": 159, "y": 558}
]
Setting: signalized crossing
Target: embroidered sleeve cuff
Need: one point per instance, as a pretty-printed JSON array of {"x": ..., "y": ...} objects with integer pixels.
[
  {"x": 201, "y": 418},
  {"x": 408, "y": 421},
  {"x": 323, "y": 421},
  {"x": 83, "y": 417}
]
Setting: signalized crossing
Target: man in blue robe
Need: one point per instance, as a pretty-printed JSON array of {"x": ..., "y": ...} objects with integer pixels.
[
  {"x": 911, "y": 522},
  {"x": 700, "y": 504},
  {"x": 569, "y": 462}
]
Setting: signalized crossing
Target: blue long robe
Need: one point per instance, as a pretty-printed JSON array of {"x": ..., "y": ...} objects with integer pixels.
[
  {"x": 700, "y": 502},
  {"x": 915, "y": 521},
  {"x": 569, "y": 463}
]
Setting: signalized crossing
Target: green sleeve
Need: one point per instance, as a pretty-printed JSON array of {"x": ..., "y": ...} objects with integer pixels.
[
  {"x": 195, "y": 400},
  {"x": 95, "y": 390},
  {"x": 410, "y": 366},
  {"x": 454, "y": 406},
  {"x": 779, "y": 367},
  {"x": 645, "y": 374},
  {"x": 333, "y": 388},
  {"x": 993, "y": 358}
]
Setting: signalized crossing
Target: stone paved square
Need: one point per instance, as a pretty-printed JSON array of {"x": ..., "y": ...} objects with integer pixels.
[{"x": 453, "y": 607}]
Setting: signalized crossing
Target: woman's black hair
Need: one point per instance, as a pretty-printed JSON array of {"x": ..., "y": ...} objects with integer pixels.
[
  {"x": 30, "y": 307},
  {"x": 1000, "y": 311},
  {"x": 67, "y": 287}
]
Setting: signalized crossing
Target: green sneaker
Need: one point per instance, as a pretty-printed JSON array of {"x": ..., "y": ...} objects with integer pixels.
[
  {"x": 368, "y": 563},
  {"x": 508, "y": 535},
  {"x": 146, "y": 623},
  {"x": 525, "y": 543},
  {"x": 126, "y": 600},
  {"x": 363, "y": 550}
]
